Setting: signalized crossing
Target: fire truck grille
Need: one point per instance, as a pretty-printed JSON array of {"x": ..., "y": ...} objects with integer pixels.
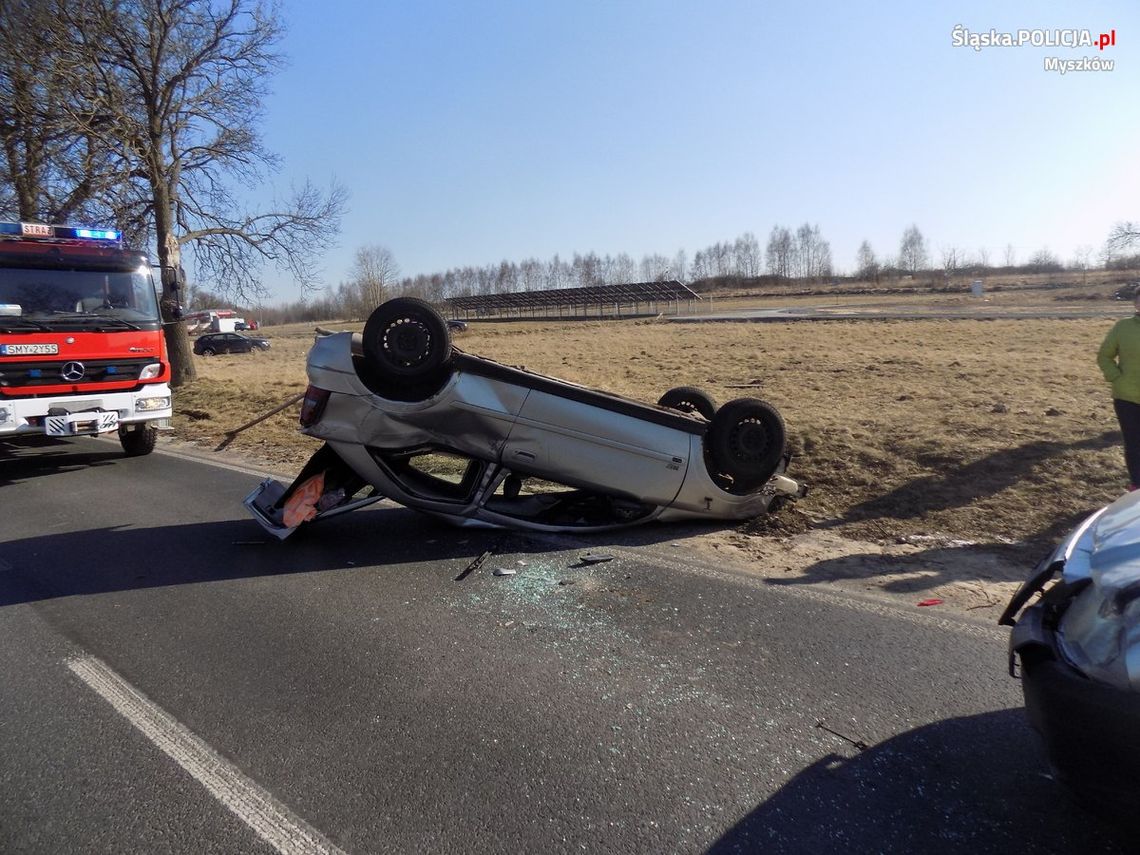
[{"x": 21, "y": 375}]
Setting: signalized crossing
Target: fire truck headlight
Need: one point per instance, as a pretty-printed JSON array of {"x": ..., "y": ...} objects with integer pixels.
[
  {"x": 151, "y": 371},
  {"x": 143, "y": 405}
]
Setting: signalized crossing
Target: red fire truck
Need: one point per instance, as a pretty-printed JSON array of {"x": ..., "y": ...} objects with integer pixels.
[{"x": 82, "y": 351}]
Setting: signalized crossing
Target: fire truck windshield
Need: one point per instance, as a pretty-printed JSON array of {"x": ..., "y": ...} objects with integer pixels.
[{"x": 59, "y": 296}]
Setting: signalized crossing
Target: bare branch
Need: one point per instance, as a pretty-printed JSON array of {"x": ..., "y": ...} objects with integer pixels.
[{"x": 1123, "y": 236}]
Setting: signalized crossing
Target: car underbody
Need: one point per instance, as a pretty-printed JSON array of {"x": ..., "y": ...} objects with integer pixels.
[{"x": 478, "y": 443}]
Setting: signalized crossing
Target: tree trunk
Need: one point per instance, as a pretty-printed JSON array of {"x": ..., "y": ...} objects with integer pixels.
[
  {"x": 181, "y": 353},
  {"x": 182, "y": 370}
]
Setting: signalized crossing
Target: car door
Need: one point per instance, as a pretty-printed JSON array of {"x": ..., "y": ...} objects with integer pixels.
[{"x": 577, "y": 443}]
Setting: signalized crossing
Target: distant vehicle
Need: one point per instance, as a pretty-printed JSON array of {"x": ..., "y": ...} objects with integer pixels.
[
  {"x": 216, "y": 320},
  {"x": 1079, "y": 649},
  {"x": 1127, "y": 292},
  {"x": 478, "y": 443},
  {"x": 457, "y": 325},
  {"x": 213, "y": 343}
]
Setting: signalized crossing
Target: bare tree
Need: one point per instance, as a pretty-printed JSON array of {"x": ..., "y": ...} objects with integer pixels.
[
  {"x": 1081, "y": 261},
  {"x": 625, "y": 268},
  {"x": 748, "y": 255},
  {"x": 530, "y": 274},
  {"x": 912, "y": 251},
  {"x": 951, "y": 259},
  {"x": 506, "y": 277},
  {"x": 780, "y": 249},
  {"x": 1123, "y": 236},
  {"x": 1010, "y": 255},
  {"x": 176, "y": 86},
  {"x": 811, "y": 254},
  {"x": 51, "y": 170},
  {"x": 374, "y": 269},
  {"x": 606, "y": 270},
  {"x": 656, "y": 268},
  {"x": 585, "y": 270},
  {"x": 983, "y": 257},
  {"x": 698, "y": 269},
  {"x": 558, "y": 275},
  {"x": 1044, "y": 261},
  {"x": 680, "y": 265},
  {"x": 867, "y": 266}
]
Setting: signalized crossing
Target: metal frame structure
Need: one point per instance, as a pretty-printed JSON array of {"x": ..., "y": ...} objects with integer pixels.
[{"x": 601, "y": 301}]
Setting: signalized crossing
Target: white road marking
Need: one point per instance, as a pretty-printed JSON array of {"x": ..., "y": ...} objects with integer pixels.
[{"x": 272, "y": 821}]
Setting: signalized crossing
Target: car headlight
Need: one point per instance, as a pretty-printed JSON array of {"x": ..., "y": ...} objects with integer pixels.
[
  {"x": 151, "y": 371},
  {"x": 143, "y": 405}
]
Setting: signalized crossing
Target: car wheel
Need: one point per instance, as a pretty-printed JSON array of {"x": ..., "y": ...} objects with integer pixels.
[
  {"x": 208, "y": 351},
  {"x": 138, "y": 440},
  {"x": 746, "y": 441},
  {"x": 689, "y": 399},
  {"x": 407, "y": 339}
]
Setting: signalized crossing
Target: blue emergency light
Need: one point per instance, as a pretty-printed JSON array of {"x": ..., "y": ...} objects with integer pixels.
[{"x": 98, "y": 234}]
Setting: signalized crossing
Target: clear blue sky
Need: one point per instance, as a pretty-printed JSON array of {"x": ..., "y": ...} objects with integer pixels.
[{"x": 472, "y": 132}]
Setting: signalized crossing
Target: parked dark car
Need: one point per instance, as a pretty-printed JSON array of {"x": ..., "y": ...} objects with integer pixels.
[
  {"x": 211, "y": 343},
  {"x": 1127, "y": 291},
  {"x": 1079, "y": 649},
  {"x": 456, "y": 325}
]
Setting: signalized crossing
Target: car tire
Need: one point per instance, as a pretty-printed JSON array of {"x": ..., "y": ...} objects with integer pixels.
[
  {"x": 407, "y": 339},
  {"x": 746, "y": 441},
  {"x": 689, "y": 399},
  {"x": 140, "y": 441},
  {"x": 208, "y": 351}
]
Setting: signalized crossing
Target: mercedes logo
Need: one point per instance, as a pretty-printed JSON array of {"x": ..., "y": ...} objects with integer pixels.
[{"x": 72, "y": 372}]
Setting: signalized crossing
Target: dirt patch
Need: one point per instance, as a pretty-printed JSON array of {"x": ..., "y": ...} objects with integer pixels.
[{"x": 960, "y": 576}]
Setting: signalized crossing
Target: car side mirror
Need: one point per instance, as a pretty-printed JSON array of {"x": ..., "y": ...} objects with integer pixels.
[{"x": 173, "y": 280}]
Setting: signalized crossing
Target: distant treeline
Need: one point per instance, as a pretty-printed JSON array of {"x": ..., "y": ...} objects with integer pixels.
[{"x": 800, "y": 258}]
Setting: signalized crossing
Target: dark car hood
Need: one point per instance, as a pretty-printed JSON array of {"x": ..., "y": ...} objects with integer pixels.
[{"x": 1100, "y": 631}]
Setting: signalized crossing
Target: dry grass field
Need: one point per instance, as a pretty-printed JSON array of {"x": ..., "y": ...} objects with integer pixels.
[{"x": 943, "y": 456}]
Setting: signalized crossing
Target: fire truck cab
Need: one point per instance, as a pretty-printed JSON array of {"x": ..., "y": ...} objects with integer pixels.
[{"x": 81, "y": 341}]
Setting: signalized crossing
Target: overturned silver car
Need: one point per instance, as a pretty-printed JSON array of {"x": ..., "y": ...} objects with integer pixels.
[{"x": 407, "y": 416}]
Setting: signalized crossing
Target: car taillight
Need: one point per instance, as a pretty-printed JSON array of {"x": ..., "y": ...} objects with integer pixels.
[{"x": 313, "y": 405}]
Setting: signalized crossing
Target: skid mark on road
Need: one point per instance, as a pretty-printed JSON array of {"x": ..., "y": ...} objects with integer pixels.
[{"x": 252, "y": 804}]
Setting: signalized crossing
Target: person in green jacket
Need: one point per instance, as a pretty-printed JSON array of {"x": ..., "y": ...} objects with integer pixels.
[{"x": 1119, "y": 361}]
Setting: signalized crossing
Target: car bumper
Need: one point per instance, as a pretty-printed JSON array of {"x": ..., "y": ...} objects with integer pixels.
[
  {"x": 1089, "y": 728},
  {"x": 84, "y": 415}
]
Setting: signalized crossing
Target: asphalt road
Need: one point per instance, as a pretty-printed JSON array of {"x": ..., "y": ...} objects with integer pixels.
[{"x": 176, "y": 681}]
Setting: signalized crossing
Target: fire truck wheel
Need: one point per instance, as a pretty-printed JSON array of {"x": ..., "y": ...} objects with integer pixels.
[{"x": 138, "y": 440}]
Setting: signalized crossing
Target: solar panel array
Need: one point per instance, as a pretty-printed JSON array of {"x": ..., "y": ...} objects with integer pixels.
[{"x": 602, "y": 297}]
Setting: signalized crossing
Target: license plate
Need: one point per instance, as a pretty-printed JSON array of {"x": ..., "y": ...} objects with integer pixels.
[
  {"x": 27, "y": 349},
  {"x": 81, "y": 424}
]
